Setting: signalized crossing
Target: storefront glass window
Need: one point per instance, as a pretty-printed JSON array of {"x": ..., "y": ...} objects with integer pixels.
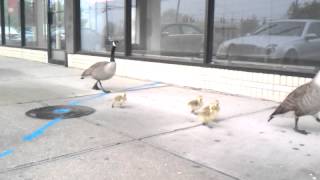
[
  {"x": 102, "y": 21},
  {"x": 285, "y": 32},
  {"x": 169, "y": 29},
  {"x": 36, "y": 23},
  {"x": 12, "y": 22}
]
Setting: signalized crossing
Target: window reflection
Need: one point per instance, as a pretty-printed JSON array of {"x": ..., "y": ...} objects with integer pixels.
[
  {"x": 102, "y": 21},
  {"x": 12, "y": 22},
  {"x": 170, "y": 28},
  {"x": 268, "y": 31},
  {"x": 36, "y": 23},
  {"x": 58, "y": 37}
]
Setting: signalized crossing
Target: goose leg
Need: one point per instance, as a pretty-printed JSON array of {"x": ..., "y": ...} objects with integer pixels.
[
  {"x": 104, "y": 90},
  {"x": 317, "y": 118},
  {"x": 95, "y": 87},
  {"x": 100, "y": 84},
  {"x": 296, "y": 128}
]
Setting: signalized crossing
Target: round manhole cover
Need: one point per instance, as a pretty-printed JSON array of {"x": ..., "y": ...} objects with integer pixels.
[{"x": 63, "y": 111}]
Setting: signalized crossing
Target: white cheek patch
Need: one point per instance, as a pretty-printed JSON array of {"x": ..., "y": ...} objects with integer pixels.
[{"x": 114, "y": 44}]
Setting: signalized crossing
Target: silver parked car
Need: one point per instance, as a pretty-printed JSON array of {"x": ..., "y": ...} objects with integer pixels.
[
  {"x": 285, "y": 40},
  {"x": 181, "y": 39}
]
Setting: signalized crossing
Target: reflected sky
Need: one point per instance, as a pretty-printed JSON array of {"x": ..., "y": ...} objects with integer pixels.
[
  {"x": 260, "y": 8},
  {"x": 236, "y": 8}
]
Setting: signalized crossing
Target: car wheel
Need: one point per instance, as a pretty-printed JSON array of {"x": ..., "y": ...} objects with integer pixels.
[{"x": 291, "y": 57}]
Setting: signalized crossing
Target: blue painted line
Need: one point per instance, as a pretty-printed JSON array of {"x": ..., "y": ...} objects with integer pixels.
[
  {"x": 38, "y": 132},
  {"x": 136, "y": 88},
  {"x": 145, "y": 86},
  {"x": 6, "y": 153},
  {"x": 41, "y": 130},
  {"x": 61, "y": 111},
  {"x": 77, "y": 102},
  {"x": 141, "y": 88},
  {"x": 74, "y": 103}
]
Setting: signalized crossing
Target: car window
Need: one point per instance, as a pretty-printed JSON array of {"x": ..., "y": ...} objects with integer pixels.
[
  {"x": 315, "y": 29},
  {"x": 171, "y": 30},
  {"x": 285, "y": 28},
  {"x": 11, "y": 30},
  {"x": 189, "y": 30}
]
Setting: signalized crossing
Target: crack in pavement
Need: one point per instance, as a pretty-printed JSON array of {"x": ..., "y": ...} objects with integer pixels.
[
  {"x": 44, "y": 100},
  {"x": 78, "y": 96},
  {"x": 190, "y": 160},
  {"x": 200, "y": 124},
  {"x": 131, "y": 139},
  {"x": 64, "y": 156}
]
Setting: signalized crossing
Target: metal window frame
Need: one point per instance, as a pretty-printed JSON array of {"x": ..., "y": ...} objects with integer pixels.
[
  {"x": 22, "y": 24},
  {"x": 49, "y": 22},
  {"x": 127, "y": 27},
  {"x": 207, "y": 46},
  {"x": 77, "y": 26},
  {"x": 208, "y": 36},
  {"x": 3, "y": 29}
]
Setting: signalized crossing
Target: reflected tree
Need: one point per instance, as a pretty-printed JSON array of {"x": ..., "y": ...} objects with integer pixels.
[
  {"x": 248, "y": 25},
  {"x": 308, "y": 10},
  {"x": 181, "y": 18}
]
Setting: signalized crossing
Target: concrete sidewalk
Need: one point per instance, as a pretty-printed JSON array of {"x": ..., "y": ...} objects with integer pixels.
[{"x": 153, "y": 137}]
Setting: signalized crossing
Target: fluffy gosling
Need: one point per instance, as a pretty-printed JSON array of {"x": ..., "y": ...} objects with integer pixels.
[
  {"x": 209, "y": 113},
  {"x": 195, "y": 104},
  {"x": 119, "y": 100}
]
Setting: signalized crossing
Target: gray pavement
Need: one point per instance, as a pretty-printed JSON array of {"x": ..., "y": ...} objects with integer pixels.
[{"x": 153, "y": 137}]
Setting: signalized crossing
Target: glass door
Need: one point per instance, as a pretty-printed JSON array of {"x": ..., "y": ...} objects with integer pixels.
[{"x": 57, "y": 40}]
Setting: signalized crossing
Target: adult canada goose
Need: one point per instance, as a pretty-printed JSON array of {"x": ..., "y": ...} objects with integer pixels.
[
  {"x": 305, "y": 100},
  {"x": 102, "y": 70}
]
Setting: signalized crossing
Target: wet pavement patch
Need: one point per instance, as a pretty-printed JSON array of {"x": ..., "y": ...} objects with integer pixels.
[{"x": 62, "y": 111}]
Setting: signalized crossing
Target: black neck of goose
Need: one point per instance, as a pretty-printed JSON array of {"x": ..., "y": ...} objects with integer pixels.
[{"x": 112, "y": 53}]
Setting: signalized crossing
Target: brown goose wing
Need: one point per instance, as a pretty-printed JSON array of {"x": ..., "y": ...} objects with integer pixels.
[
  {"x": 88, "y": 71},
  {"x": 290, "y": 102}
]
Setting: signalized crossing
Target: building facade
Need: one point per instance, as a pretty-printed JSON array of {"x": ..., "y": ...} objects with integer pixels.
[{"x": 262, "y": 49}]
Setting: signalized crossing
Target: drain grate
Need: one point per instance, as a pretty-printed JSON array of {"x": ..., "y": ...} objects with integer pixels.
[{"x": 63, "y": 111}]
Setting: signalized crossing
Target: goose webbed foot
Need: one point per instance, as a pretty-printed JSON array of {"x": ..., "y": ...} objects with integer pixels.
[
  {"x": 304, "y": 132},
  {"x": 296, "y": 128},
  {"x": 105, "y": 91}
]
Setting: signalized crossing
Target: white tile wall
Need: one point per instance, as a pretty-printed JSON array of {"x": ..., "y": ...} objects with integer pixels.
[
  {"x": 33, "y": 55},
  {"x": 258, "y": 85},
  {"x": 265, "y": 86}
]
